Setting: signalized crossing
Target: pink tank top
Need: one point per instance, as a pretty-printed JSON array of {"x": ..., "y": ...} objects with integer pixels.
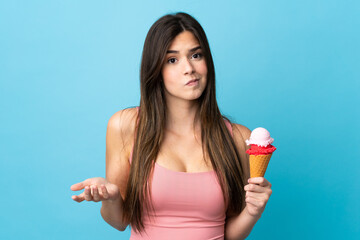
[{"x": 187, "y": 206}]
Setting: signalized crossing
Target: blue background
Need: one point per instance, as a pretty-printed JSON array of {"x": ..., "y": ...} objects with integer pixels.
[{"x": 291, "y": 66}]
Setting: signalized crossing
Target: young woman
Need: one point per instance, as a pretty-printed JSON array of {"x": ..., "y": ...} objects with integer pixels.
[{"x": 175, "y": 167}]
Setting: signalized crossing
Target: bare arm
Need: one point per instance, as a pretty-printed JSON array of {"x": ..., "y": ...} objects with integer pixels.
[
  {"x": 257, "y": 195},
  {"x": 112, "y": 211},
  {"x": 258, "y": 192},
  {"x": 240, "y": 226},
  {"x": 99, "y": 189},
  {"x": 118, "y": 139},
  {"x": 111, "y": 191}
]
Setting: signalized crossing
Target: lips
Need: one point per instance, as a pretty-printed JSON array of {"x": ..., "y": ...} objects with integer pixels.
[{"x": 191, "y": 81}]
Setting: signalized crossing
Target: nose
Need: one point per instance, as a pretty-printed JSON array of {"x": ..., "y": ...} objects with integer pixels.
[{"x": 188, "y": 67}]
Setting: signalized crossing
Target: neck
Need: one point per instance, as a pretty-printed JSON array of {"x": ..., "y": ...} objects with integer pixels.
[{"x": 181, "y": 115}]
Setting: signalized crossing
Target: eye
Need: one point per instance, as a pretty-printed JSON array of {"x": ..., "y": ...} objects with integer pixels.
[
  {"x": 197, "y": 55},
  {"x": 171, "y": 60}
]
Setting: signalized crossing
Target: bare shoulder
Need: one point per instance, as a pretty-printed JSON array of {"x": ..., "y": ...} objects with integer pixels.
[
  {"x": 240, "y": 132},
  {"x": 119, "y": 138},
  {"x": 123, "y": 121},
  {"x": 121, "y": 129}
]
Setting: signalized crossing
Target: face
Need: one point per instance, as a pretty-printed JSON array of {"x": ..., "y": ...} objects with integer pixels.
[{"x": 184, "y": 71}]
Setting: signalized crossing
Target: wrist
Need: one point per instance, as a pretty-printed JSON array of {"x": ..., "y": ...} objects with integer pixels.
[
  {"x": 251, "y": 215},
  {"x": 116, "y": 199},
  {"x": 112, "y": 201}
]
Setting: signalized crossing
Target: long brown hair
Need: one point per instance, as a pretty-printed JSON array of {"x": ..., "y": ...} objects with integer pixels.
[{"x": 217, "y": 143}]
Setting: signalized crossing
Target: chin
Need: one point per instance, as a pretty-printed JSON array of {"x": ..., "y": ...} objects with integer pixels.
[{"x": 195, "y": 97}]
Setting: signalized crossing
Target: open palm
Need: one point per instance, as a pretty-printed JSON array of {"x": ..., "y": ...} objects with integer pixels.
[{"x": 95, "y": 189}]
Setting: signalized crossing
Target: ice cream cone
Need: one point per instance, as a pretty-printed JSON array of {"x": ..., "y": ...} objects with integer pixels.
[
  {"x": 258, "y": 164},
  {"x": 260, "y": 151}
]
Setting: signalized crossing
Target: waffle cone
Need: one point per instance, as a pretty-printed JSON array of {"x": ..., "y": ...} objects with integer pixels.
[{"x": 258, "y": 164}]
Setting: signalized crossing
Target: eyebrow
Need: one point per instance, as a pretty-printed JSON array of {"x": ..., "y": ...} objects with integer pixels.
[{"x": 191, "y": 50}]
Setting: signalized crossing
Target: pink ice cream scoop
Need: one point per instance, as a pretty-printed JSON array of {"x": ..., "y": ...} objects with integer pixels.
[{"x": 260, "y": 137}]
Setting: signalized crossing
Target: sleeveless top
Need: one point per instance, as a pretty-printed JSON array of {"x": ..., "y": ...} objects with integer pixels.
[{"x": 187, "y": 206}]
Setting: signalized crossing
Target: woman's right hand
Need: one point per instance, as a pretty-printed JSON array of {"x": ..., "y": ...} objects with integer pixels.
[{"x": 96, "y": 189}]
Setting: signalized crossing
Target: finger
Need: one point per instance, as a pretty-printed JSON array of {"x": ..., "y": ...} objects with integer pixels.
[
  {"x": 79, "y": 186},
  {"x": 256, "y": 195},
  {"x": 78, "y": 198},
  {"x": 87, "y": 192},
  {"x": 100, "y": 191},
  {"x": 96, "y": 195},
  {"x": 254, "y": 202},
  {"x": 255, "y": 188},
  {"x": 259, "y": 180},
  {"x": 104, "y": 192}
]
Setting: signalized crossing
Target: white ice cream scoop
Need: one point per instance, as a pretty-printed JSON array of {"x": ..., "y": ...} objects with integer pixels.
[{"x": 261, "y": 137}]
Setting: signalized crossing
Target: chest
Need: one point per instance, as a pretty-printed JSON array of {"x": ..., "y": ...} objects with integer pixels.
[
  {"x": 183, "y": 154},
  {"x": 186, "y": 198}
]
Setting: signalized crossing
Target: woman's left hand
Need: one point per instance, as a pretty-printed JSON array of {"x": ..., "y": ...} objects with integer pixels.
[{"x": 258, "y": 192}]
